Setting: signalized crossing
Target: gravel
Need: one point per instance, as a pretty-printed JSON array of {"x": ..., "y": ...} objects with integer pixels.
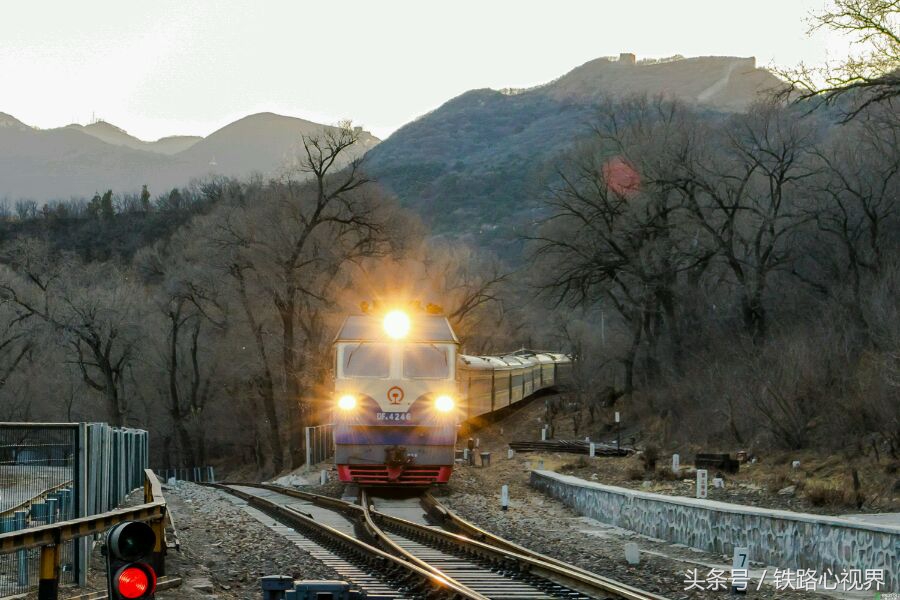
[
  {"x": 546, "y": 525},
  {"x": 224, "y": 550}
]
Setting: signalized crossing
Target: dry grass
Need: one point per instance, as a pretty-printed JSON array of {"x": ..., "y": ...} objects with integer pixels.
[
  {"x": 665, "y": 474},
  {"x": 828, "y": 496},
  {"x": 636, "y": 474}
]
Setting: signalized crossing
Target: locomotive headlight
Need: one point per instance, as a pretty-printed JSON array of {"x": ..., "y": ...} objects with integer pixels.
[
  {"x": 396, "y": 324},
  {"x": 444, "y": 403},
  {"x": 347, "y": 402}
]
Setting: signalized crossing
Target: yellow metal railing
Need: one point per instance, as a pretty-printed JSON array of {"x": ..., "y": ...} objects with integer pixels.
[{"x": 50, "y": 537}]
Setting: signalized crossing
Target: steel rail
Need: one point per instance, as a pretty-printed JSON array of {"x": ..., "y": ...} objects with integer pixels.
[
  {"x": 296, "y": 518},
  {"x": 474, "y": 540},
  {"x": 580, "y": 581},
  {"x": 374, "y": 530},
  {"x": 547, "y": 564}
]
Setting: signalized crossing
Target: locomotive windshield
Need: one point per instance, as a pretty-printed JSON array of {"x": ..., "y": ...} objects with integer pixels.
[
  {"x": 421, "y": 361},
  {"x": 366, "y": 360}
]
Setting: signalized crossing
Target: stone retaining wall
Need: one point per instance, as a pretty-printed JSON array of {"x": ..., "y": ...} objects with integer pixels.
[{"x": 775, "y": 537}]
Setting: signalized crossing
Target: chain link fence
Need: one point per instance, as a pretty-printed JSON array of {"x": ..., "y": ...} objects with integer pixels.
[
  {"x": 52, "y": 472},
  {"x": 196, "y": 474},
  {"x": 319, "y": 444}
]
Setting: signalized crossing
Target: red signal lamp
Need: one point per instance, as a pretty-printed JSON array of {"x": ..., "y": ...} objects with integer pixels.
[
  {"x": 136, "y": 581},
  {"x": 129, "y": 552}
]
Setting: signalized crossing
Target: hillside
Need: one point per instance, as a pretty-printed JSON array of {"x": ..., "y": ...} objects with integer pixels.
[
  {"x": 77, "y": 161},
  {"x": 476, "y": 166},
  {"x": 721, "y": 82},
  {"x": 264, "y": 142},
  {"x": 117, "y": 136},
  {"x": 62, "y": 163}
]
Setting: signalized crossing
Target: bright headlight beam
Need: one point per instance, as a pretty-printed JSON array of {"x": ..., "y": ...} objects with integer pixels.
[
  {"x": 396, "y": 324},
  {"x": 443, "y": 403},
  {"x": 347, "y": 402}
]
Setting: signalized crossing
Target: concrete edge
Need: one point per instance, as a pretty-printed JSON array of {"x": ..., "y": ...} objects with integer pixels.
[{"x": 716, "y": 505}]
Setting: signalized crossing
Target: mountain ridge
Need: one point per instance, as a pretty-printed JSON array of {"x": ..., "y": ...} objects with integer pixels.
[
  {"x": 78, "y": 160},
  {"x": 476, "y": 165},
  {"x": 117, "y": 136},
  {"x": 457, "y": 163}
]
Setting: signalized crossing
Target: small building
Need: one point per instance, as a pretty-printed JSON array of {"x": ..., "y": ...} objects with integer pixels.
[{"x": 627, "y": 58}]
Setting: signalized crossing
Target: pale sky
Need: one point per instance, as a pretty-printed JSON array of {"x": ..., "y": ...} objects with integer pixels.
[{"x": 169, "y": 67}]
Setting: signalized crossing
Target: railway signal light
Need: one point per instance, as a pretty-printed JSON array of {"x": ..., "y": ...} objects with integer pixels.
[{"x": 129, "y": 550}]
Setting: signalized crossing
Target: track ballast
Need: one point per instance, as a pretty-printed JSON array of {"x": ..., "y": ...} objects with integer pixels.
[{"x": 417, "y": 548}]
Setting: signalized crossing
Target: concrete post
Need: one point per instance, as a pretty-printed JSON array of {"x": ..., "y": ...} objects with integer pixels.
[
  {"x": 504, "y": 497},
  {"x": 308, "y": 465},
  {"x": 702, "y": 483},
  {"x": 632, "y": 554},
  {"x": 740, "y": 570}
]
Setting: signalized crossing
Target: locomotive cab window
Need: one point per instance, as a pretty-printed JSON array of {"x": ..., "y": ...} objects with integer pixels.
[
  {"x": 366, "y": 360},
  {"x": 426, "y": 361}
]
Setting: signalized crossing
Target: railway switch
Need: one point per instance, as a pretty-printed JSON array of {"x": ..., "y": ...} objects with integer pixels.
[{"x": 129, "y": 552}]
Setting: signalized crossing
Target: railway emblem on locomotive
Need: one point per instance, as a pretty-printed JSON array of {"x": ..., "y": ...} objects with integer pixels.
[{"x": 395, "y": 395}]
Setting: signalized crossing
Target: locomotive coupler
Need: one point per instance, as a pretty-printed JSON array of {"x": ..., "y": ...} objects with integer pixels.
[{"x": 396, "y": 460}]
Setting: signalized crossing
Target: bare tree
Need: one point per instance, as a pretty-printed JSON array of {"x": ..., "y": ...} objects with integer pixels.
[
  {"x": 854, "y": 204},
  {"x": 187, "y": 301},
  {"x": 91, "y": 307},
  {"x": 872, "y": 75},
  {"x": 283, "y": 247},
  {"x": 612, "y": 236},
  {"x": 742, "y": 189}
]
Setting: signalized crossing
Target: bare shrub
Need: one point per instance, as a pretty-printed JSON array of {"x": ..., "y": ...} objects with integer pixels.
[
  {"x": 649, "y": 457},
  {"x": 824, "y": 495},
  {"x": 635, "y": 474}
]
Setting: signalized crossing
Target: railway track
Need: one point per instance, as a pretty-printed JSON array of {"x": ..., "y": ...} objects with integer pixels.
[
  {"x": 570, "y": 447},
  {"x": 417, "y": 548}
]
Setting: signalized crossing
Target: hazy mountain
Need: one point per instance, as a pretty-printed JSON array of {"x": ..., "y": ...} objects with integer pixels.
[
  {"x": 263, "y": 142},
  {"x": 77, "y": 161},
  {"x": 62, "y": 163},
  {"x": 10, "y": 122},
  {"x": 477, "y": 164},
  {"x": 722, "y": 82},
  {"x": 116, "y": 136}
]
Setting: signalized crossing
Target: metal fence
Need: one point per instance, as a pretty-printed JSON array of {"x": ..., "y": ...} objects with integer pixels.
[
  {"x": 319, "y": 444},
  {"x": 197, "y": 474},
  {"x": 53, "y": 472}
]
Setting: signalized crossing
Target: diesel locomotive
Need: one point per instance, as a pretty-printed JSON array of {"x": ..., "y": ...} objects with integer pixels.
[{"x": 401, "y": 390}]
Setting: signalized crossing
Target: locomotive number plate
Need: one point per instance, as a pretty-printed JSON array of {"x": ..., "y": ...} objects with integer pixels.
[{"x": 393, "y": 416}]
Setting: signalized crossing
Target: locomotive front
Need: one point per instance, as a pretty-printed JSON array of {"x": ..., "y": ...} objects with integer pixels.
[{"x": 395, "y": 412}]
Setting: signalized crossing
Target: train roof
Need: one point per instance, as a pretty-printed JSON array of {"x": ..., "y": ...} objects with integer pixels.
[
  {"x": 423, "y": 328},
  {"x": 512, "y": 361}
]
